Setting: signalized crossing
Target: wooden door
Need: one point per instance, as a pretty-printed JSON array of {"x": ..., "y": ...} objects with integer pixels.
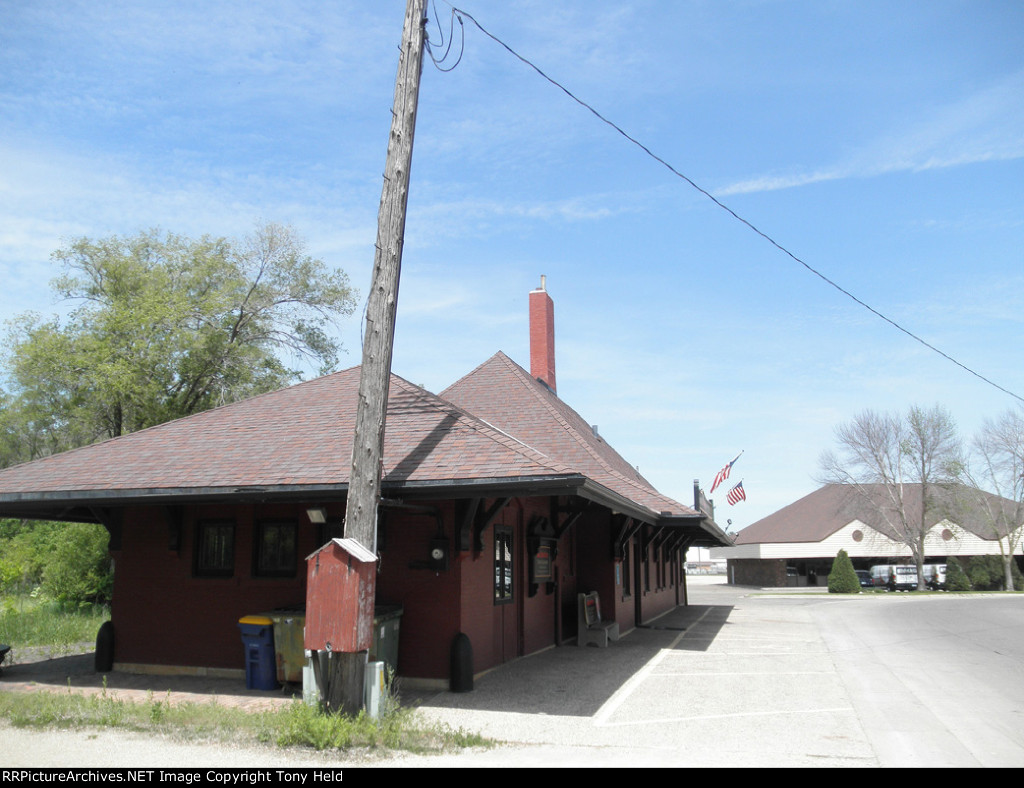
[{"x": 507, "y": 589}]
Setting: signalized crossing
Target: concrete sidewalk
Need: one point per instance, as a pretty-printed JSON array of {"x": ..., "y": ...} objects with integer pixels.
[{"x": 736, "y": 679}]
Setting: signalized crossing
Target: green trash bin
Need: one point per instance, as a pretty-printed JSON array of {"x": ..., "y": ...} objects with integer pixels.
[{"x": 387, "y": 621}]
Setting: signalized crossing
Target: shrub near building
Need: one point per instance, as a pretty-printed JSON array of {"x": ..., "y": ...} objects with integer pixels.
[
  {"x": 956, "y": 578},
  {"x": 843, "y": 579}
]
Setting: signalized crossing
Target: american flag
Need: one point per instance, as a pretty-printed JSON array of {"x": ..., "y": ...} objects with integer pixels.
[
  {"x": 736, "y": 495},
  {"x": 723, "y": 474}
]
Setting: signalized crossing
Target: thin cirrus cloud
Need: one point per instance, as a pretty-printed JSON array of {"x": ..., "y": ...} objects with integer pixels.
[{"x": 985, "y": 127}]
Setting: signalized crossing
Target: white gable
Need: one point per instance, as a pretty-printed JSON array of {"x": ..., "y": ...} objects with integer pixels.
[{"x": 862, "y": 541}]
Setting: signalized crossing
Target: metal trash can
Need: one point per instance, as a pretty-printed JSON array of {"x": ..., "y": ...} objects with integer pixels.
[
  {"x": 387, "y": 620},
  {"x": 289, "y": 654},
  {"x": 258, "y": 641}
]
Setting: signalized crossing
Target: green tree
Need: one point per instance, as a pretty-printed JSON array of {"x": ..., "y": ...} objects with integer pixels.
[
  {"x": 25, "y": 548},
  {"x": 843, "y": 577},
  {"x": 983, "y": 573},
  {"x": 80, "y": 571},
  {"x": 165, "y": 326}
]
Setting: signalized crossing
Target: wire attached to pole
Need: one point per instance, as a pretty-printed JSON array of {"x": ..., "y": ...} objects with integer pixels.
[
  {"x": 459, "y": 13},
  {"x": 455, "y": 14}
]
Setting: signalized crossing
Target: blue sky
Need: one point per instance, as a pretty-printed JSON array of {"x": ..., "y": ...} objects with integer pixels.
[{"x": 881, "y": 142}]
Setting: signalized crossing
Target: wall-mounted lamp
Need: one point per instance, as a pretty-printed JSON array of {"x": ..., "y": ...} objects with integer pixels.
[{"x": 317, "y": 514}]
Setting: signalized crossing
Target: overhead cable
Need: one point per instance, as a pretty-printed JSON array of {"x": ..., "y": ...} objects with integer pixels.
[
  {"x": 438, "y": 61},
  {"x": 460, "y": 13}
]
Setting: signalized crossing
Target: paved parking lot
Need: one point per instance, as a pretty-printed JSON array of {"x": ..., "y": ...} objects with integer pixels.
[{"x": 722, "y": 683}]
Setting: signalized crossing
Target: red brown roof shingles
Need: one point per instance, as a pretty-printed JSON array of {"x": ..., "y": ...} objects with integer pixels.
[{"x": 495, "y": 425}]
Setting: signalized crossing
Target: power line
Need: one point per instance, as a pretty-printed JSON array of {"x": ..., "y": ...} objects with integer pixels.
[
  {"x": 439, "y": 61},
  {"x": 459, "y": 12}
]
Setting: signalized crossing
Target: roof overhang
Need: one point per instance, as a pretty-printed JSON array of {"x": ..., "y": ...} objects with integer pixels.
[
  {"x": 89, "y": 505},
  {"x": 81, "y": 505}
]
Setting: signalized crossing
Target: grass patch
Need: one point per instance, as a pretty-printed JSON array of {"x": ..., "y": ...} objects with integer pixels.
[
  {"x": 399, "y": 729},
  {"x": 294, "y": 725},
  {"x": 26, "y": 621}
]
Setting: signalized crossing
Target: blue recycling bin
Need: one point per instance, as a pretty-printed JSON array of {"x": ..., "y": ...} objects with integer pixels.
[{"x": 260, "y": 662}]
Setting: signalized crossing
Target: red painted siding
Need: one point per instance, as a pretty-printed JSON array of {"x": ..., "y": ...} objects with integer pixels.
[
  {"x": 663, "y": 593},
  {"x": 539, "y": 613},
  {"x": 596, "y": 569},
  {"x": 430, "y": 600},
  {"x": 626, "y": 589},
  {"x": 163, "y": 615},
  {"x": 339, "y": 600}
]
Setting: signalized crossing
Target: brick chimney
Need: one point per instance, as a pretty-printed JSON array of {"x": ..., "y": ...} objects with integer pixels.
[{"x": 542, "y": 335}]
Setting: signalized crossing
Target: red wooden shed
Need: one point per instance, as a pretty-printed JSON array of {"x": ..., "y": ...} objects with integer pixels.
[{"x": 340, "y": 597}]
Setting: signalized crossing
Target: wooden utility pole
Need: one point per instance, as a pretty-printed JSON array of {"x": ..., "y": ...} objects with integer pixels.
[{"x": 378, "y": 339}]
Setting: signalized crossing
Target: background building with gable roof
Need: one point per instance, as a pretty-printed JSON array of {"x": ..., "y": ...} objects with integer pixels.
[{"x": 796, "y": 545}]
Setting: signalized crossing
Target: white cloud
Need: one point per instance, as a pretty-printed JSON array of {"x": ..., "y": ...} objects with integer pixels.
[{"x": 984, "y": 127}]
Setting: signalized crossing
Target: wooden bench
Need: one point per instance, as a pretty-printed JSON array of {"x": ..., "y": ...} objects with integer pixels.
[{"x": 591, "y": 628}]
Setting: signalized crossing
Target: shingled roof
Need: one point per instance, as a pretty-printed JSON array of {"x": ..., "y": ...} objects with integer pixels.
[
  {"x": 823, "y": 512},
  {"x": 296, "y": 440},
  {"x": 505, "y": 395},
  {"x": 504, "y": 433}
]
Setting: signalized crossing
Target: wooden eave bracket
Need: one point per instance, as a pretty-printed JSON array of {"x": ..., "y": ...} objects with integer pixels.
[
  {"x": 473, "y": 521},
  {"x": 111, "y": 519},
  {"x": 175, "y": 516},
  {"x": 564, "y": 516},
  {"x": 624, "y": 528}
]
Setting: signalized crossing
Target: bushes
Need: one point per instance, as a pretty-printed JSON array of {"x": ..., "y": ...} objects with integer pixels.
[
  {"x": 25, "y": 547},
  {"x": 843, "y": 579},
  {"x": 986, "y": 573},
  {"x": 956, "y": 578},
  {"x": 980, "y": 573},
  {"x": 80, "y": 571},
  {"x": 66, "y": 562}
]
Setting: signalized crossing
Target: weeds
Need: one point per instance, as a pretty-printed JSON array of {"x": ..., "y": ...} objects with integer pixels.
[
  {"x": 28, "y": 621},
  {"x": 31, "y": 622},
  {"x": 294, "y": 725}
]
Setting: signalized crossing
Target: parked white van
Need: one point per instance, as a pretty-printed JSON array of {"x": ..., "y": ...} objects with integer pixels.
[
  {"x": 895, "y": 577},
  {"x": 935, "y": 575}
]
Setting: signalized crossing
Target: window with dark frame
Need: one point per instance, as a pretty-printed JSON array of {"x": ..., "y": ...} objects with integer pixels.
[
  {"x": 215, "y": 548},
  {"x": 503, "y": 565},
  {"x": 275, "y": 549}
]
